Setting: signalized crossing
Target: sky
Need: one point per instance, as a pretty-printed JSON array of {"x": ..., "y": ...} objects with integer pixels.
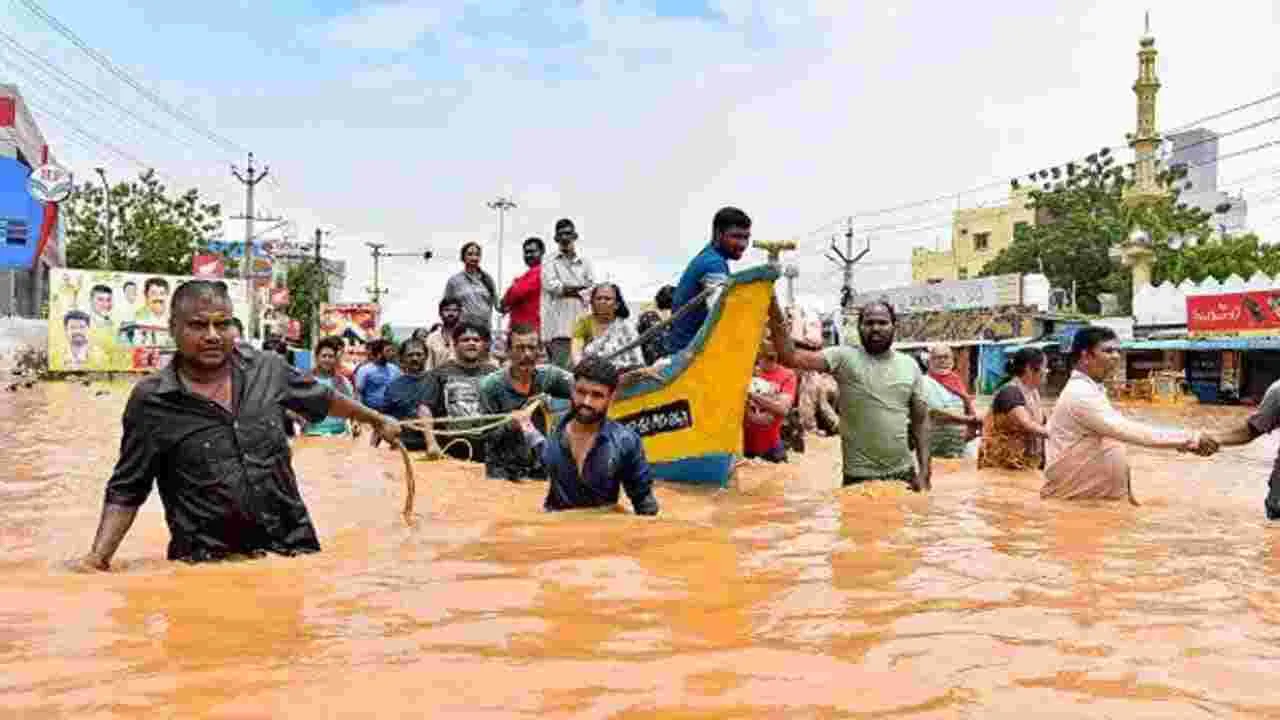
[{"x": 397, "y": 122}]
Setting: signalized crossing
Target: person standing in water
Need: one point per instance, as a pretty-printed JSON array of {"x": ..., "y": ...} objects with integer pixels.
[
  {"x": 883, "y": 413},
  {"x": 1085, "y": 455},
  {"x": 591, "y": 458},
  {"x": 1014, "y": 430},
  {"x": 207, "y": 430},
  {"x": 328, "y": 350},
  {"x": 1264, "y": 420}
]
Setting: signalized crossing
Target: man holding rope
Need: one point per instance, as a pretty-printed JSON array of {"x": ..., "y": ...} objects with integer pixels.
[{"x": 207, "y": 430}]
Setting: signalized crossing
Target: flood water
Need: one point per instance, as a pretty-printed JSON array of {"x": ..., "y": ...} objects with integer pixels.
[{"x": 784, "y": 598}]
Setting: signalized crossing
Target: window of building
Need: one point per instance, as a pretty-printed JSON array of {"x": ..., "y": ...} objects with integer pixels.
[
  {"x": 14, "y": 231},
  {"x": 981, "y": 241},
  {"x": 963, "y": 273}
]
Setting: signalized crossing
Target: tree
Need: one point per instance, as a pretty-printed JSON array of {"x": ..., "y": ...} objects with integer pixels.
[
  {"x": 1218, "y": 257},
  {"x": 308, "y": 287},
  {"x": 1081, "y": 216},
  {"x": 151, "y": 230}
]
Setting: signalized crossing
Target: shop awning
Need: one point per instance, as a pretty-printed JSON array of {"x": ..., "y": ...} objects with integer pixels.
[{"x": 1225, "y": 343}]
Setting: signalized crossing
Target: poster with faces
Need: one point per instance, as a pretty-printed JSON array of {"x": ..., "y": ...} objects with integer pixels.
[{"x": 105, "y": 321}]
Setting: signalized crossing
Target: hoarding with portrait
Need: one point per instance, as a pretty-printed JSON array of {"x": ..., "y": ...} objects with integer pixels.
[
  {"x": 105, "y": 321},
  {"x": 356, "y": 324}
]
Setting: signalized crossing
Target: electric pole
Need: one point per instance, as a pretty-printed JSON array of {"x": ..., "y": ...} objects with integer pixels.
[
  {"x": 502, "y": 205},
  {"x": 250, "y": 180},
  {"x": 846, "y": 260},
  {"x": 377, "y": 291},
  {"x": 791, "y": 273},
  {"x": 106, "y": 228}
]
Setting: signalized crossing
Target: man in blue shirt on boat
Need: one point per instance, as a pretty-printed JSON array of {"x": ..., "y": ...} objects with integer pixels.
[
  {"x": 590, "y": 458},
  {"x": 730, "y": 236}
]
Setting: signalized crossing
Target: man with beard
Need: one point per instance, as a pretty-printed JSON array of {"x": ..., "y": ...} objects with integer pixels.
[
  {"x": 75, "y": 326},
  {"x": 453, "y": 389},
  {"x": 403, "y": 392},
  {"x": 730, "y": 235},
  {"x": 440, "y": 339},
  {"x": 207, "y": 430},
  {"x": 508, "y": 456},
  {"x": 883, "y": 414},
  {"x": 591, "y": 458},
  {"x": 565, "y": 277},
  {"x": 524, "y": 298}
]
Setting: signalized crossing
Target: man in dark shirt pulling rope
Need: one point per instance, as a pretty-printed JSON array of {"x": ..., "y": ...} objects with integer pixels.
[{"x": 207, "y": 431}]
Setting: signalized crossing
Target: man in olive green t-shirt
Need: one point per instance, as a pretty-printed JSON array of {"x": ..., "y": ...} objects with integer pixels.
[{"x": 882, "y": 410}]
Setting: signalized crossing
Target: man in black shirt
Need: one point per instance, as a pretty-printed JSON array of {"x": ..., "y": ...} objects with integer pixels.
[
  {"x": 451, "y": 390},
  {"x": 207, "y": 430}
]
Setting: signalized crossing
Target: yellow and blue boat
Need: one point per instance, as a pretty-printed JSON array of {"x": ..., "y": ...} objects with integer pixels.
[{"x": 691, "y": 420}]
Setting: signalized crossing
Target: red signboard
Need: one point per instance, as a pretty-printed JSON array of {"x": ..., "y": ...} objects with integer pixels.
[
  {"x": 207, "y": 265},
  {"x": 1248, "y": 313}
]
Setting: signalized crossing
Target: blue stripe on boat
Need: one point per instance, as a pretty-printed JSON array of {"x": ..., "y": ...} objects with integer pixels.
[{"x": 713, "y": 469}]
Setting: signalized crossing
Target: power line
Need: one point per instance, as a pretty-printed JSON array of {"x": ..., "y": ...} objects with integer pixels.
[
  {"x": 105, "y": 62},
  {"x": 996, "y": 183},
  {"x": 77, "y": 128},
  {"x": 51, "y": 71}
]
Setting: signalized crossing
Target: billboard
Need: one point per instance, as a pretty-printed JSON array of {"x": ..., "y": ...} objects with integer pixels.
[
  {"x": 356, "y": 324},
  {"x": 106, "y": 321},
  {"x": 987, "y": 292},
  {"x": 1256, "y": 312}
]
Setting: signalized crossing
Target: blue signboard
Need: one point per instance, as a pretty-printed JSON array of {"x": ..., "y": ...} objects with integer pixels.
[{"x": 20, "y": 217}]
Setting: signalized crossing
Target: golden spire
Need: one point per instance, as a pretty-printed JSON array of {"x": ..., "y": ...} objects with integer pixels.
[{"x": 1146, "y": 140}]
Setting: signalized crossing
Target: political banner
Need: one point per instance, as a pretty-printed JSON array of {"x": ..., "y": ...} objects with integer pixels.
[
  {"x": 106, "y": 321},
  {"x": 356, "y": 324}
]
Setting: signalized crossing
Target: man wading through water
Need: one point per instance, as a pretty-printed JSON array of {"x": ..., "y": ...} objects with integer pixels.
[
  {"x": 883, "y": 414},
  {"x": 207, "y": 429}
]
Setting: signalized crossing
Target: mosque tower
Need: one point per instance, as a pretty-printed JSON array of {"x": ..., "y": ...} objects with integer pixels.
[{"x": 1136, "y": 253}]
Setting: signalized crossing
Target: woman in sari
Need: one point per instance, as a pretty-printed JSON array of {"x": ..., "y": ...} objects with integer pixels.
[
  {"x": 607, "y": 330},
  {"x": 1014, "y": 431}
]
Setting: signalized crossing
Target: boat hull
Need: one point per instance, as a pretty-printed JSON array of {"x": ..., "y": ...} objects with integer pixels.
[{"x": 691, "y": 421}]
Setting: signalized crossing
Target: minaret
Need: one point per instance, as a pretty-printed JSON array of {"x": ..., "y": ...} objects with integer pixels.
[
  {"x": 1136, "y": 252},
  {"x": 1146, "y": 141}
]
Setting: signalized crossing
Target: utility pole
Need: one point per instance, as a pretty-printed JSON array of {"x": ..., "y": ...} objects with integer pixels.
[
  {"x": 322, "y": 278},
  {"x": 502, "y": 205},
  {"x": 846, "y": 260},
  {"x": 106, "y": 228},
  {"x": 791, "y": 273},
  {"x": 250, "y": 180},
  {"x": 377, "y": 291}
]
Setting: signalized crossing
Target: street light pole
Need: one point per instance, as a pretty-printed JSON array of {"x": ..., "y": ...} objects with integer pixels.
[
  {"x": 106, "y": 227},
  {"x": 502, "y": 205}
]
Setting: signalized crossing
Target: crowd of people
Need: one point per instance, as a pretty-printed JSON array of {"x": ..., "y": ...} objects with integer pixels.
[{"x": 210, "y": 428}]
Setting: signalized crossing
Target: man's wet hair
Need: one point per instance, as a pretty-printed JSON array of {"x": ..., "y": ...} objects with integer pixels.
[
  {"x": 1088, "y": 338},
  {"x": 888, "y": 306},
  {"x": 729, "y": 217},
  {"x": 520, "y": 329},
  {"x": 188, "y": 292},
  {"x": 161, "y": 282},
  {"x": 596, "y": 369},
  {"x": 331, "y": 342},
  {"x": 542, "y": 247},
  {"x": 375, "y": 346},
  {"x": 475, "y": 325},
  {"x": 449, "y": 301},
  {"x": 75, "y": 315},
  {"x": 99, "y": 289}
]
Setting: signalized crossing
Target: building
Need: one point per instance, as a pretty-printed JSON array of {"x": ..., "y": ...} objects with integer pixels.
[
  {"x": 1197, "y": 151},
  {"x": 31, "y": 237},
  {"x": 977, "y": 236}
]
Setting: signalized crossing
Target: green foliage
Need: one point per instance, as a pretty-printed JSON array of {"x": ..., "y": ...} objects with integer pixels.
[
  {"x": 307, "y": 290},
  {"x": 151, "y": 230},
  {"x": 1081, "y": 216},
  {"x": 1218, "y": 257},
  {"x": 387, "y": 333}
]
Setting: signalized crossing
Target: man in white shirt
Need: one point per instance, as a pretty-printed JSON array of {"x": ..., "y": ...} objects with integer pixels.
[
  {"x": 1085, "y": 453},
  {"x": 566, "y": 278}
]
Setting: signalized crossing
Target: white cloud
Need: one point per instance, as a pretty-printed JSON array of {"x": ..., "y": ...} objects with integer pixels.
[{"x": 390, "y": 26}]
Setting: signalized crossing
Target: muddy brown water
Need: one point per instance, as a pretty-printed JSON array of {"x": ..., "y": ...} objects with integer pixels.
[{"x": 782, "y": 598}]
